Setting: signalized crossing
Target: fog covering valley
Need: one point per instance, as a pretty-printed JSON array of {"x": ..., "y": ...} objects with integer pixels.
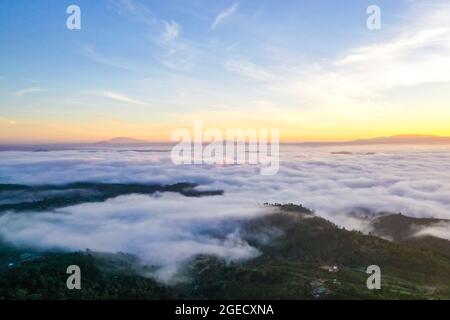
[{"x": 134, "y": 200}]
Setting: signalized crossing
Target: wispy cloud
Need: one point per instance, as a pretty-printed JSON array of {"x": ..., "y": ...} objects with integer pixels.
[
  {"x": 171, "y": 31},
  {"x": 123, "y": 6},
  {"x": 118, "y": 97},
  {"x": 134, "y": 10},
  {"x": 439, "y": 230},
  {"x": 177, "y": 54},
  {"x": 249, "y": 70},
  {"x": 91, "y": 53},
  {"x": 26, "y": 91},
  {"x": 359, "y": 83},
  {"x": 221, "y": 17}
]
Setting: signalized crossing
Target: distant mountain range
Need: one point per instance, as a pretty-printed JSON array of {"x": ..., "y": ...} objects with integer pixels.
[
  {"x": 398, "y": 139},
  {"x": 124, "y": 141},
  {"x": 121, "y": 140}
]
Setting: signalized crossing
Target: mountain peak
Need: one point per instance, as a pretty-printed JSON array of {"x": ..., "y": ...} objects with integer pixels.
[
  {"x": 121, "y": 140},
  {"x": 408, "y": 139}
]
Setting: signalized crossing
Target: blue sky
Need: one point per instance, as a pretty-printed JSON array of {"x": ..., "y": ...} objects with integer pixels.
[{"x": 137, "y": 67}]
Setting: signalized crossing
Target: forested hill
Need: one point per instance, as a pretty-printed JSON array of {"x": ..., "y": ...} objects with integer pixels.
[{"x": 302, "y": 256}]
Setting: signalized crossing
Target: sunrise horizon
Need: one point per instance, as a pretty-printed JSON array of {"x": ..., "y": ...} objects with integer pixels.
[{"x": 414, "y": 138}]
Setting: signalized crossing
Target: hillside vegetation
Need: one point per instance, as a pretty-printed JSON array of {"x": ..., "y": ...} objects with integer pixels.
[{"x": 297, "y": 249}]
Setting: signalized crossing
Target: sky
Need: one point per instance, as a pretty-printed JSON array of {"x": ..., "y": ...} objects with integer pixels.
[{"x": 141, "y": 69}]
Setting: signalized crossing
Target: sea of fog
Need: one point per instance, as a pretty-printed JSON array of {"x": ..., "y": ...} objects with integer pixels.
[{"x": 167, "y": 229}]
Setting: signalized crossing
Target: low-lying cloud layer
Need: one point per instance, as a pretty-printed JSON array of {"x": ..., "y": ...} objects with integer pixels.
[
  {"x": 169, "y": 229},
  {"x": 413, "y": 180},
  {"x": 439, "y": 230},
  {"x": 163, "y": 231}
]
